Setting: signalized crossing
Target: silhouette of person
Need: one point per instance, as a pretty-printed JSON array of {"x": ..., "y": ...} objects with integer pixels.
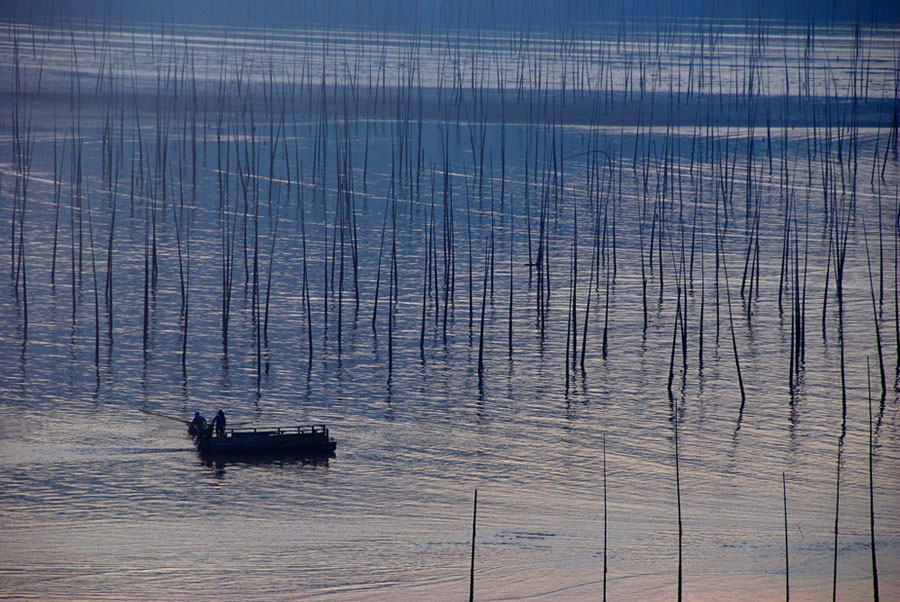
[
  {"x": 198, "y": 424},
  {"x": 219, "y": 424}
]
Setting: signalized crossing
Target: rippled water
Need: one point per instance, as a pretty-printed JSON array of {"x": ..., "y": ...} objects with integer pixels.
[{"x": 101, "y": 500}]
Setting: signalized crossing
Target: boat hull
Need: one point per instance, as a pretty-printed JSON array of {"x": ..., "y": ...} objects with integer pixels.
[{"x": 298, "y": 440}]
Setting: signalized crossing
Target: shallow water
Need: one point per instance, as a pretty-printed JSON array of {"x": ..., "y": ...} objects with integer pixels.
[{"x": 99, "y": 500}]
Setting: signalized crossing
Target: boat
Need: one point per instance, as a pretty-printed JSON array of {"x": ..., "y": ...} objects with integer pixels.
[{"x": 301, "y": 441}]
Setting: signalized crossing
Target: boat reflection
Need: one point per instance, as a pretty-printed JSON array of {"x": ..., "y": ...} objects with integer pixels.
[{"x": 280, "y": 458}]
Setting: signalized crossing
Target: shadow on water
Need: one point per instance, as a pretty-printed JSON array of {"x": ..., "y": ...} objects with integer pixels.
[{"x": 281, "y": 459}]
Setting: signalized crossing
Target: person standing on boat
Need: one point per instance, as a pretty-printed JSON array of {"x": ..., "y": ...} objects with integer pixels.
[
  {"x": 219, "y": 424},
  {"x": 198, "y": 424}
]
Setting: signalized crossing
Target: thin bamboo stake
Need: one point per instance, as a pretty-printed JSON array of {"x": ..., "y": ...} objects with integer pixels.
[
  {"x": 678, "y": 495},
  {"x": 605, "y": 530},
  {"x": 787, "y": 566},
  {"x": 875, "y": 592},
  {"x": 472, "y": 562}
]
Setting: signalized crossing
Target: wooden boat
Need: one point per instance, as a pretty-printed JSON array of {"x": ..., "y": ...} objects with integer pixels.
[{"x": 307, "y": 440}]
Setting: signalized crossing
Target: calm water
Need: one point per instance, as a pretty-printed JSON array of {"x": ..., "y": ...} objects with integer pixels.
[{"x": 99, "y": 500}]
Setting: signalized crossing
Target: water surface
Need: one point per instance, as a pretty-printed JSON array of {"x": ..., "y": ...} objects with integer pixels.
[{"x": 102, "y": 500}]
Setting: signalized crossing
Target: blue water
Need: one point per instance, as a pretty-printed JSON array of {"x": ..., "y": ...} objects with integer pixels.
[{"x": 101, "y": 500}]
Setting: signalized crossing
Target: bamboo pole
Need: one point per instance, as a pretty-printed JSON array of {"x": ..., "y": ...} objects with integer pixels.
[{"x": 472, "y": 561}]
